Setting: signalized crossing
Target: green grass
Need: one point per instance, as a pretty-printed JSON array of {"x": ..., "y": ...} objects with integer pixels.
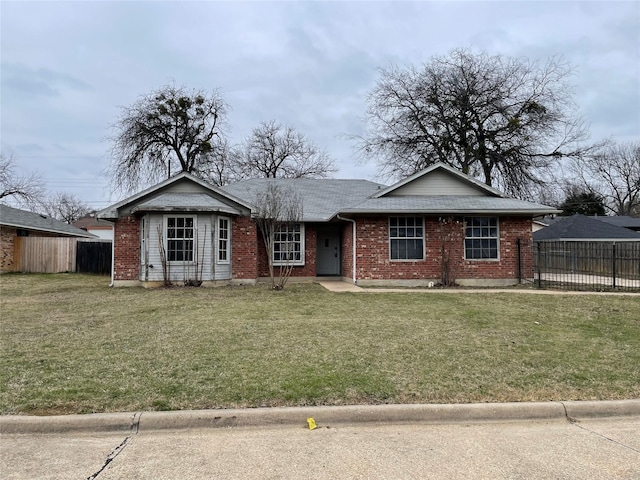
[{"x": 70, "y": 344}]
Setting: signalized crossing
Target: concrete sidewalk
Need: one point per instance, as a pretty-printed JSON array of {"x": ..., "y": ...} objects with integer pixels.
[
  {"x": 413, "y": 414},
  {"x": 347, "y": 287}
]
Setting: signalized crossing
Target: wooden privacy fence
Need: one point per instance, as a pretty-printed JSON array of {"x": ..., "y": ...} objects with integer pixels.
[{"x": 60, "y": 254}]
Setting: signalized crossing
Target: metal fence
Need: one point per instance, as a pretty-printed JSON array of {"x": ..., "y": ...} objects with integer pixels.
[{"x": 586, "y": 265}]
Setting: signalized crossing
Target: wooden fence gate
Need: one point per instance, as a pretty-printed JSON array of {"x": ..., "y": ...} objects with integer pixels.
[{"x": 93, "y": 257}]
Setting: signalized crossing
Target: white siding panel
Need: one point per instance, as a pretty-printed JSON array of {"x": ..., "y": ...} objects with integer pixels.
[
  {"x": 437, "y": 183},
  {"x": 186, "y": 187},
  {"x": 179, "y": 271},
  {"x": 222, "y": 270},
  {"x": 155, "y": 273}
]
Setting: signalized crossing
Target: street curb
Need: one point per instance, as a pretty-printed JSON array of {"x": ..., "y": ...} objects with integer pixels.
[
  {"x": 323, "y": 416},
  {"x": 95, "y": 422}
]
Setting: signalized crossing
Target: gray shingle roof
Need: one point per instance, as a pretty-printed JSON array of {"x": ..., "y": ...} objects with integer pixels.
[
  {"x": 621, "y": 221},
  {"x": 580, "y": 227},
  {"x": 324, "y": 198},
  {"x": 113, "y": 211},
  {"x": 321, "y": 198},
  {"x": 26, "y": 220},
  {"x": 185, "y": 201},
  {"x": 443, "y": 204}
]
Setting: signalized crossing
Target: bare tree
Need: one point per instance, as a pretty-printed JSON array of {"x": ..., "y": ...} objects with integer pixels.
[
  {"x": 505, "y": 120},
  {"x": 449, "y": 235},
  {"x": 66, "y": 207},
  {"x": 278, "y": 215},
  {"x": 274, "y": 150},
  {"x": 219, "y": 167},
  {"x": 168, "y": 131},
  {"x": 614, "y": 174},
  {"x": 27, "y": 190}
]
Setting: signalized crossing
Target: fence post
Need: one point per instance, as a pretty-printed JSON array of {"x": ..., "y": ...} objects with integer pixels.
[
  {"x": 538, "y": 262},
  {"x": 613, "y": 264}
]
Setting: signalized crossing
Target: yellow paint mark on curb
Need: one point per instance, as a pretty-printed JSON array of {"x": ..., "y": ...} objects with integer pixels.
[{"x": 312, "y": 423}]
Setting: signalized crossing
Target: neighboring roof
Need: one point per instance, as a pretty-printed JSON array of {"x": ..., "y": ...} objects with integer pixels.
[
  {"x": 26, "y": 220},
  {"x": 548, "y": 220},
  {"x": 450, "y": 205},
  {"x": 92, "y": 222},
  {"x": 581, "y": 227},
  {"x": 620, "y": 221},
  {"x": 322, "y": 199},
  {"x": 452, "y": 171}
]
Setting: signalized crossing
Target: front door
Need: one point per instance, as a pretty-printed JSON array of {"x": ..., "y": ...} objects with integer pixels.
[{"x": 328, "y": 251}]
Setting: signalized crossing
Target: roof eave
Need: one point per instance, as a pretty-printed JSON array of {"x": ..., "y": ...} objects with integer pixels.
[
  {"x": 596, "y": 239},
  {"x": 522, "y": 212},
  {"x": 111, "y": 212},
  {"x": 48, "y": 230},
  {"x": 186, "y": 209}
]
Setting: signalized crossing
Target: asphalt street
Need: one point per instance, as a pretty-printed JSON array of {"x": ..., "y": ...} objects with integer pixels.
[{"x": 557, "y": 448}]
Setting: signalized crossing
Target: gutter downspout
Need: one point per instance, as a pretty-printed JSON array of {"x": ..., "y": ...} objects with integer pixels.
[
  {"x": 113, "y": 256},
  {"x": 354, "y": 243}
]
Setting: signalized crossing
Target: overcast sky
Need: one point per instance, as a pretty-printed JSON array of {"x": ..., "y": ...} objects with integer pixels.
[{"x": 68, "y": 67}]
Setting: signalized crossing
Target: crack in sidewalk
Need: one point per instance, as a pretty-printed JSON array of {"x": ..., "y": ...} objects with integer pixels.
[
  {"x": 576, "y": 422},
  {"x": 135, "y": 428},
  {"x": 607, "y": 438}
]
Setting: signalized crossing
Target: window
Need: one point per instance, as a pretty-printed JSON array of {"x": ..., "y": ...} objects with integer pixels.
[
  {"x": 406, "y": 238},
  {"x": 223, "y": 240},
  {"x": 180, "y": 239},
  {"x": 481, "y": 238},
  {"x": 288, "y": 245}
]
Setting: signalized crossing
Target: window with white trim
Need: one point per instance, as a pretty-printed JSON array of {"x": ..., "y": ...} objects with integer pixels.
[
  {"x": 288, "y": 244},
  {"x": 223, "y": 240},
  {"x": 481, "y": 238},
  {"x": 406, "y": 238},
  {"x": 180, "y": 239}
]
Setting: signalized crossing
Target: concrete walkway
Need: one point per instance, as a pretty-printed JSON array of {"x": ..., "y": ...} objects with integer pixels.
[{"x": 347, "y": 287}]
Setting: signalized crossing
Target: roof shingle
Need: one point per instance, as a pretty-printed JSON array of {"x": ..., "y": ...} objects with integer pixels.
[{"x": 14, "y": 217}]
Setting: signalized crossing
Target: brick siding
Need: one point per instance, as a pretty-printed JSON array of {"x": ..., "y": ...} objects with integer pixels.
[
  {"x": 249, "y": 259},
  {"x": 7, "y": 236},
  {"x": 126, "y": 235},
  {"x": 346, "y": 248},
  {"x": 244, "y": 238},
  {"x": 310, "y": 248},
  {"x": 374, "y": 263}
]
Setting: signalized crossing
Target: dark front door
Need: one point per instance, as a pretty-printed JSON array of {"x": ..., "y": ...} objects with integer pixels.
[{"x": 328, "y": 251}]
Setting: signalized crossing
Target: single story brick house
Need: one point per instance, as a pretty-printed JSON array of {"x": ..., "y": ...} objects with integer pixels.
[{"x": 436, "y": 223}]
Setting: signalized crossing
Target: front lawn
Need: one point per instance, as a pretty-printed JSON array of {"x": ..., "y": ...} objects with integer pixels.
[{"x": 70, "y": 344}]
